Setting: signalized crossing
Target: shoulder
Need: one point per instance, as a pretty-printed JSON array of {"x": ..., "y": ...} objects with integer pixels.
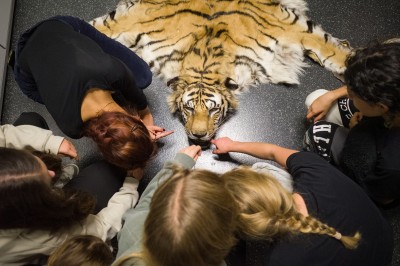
[{"x": 308, "y": 163}]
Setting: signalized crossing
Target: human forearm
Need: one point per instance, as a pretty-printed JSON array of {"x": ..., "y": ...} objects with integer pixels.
[
  {"x": 333, "y": 95},
  {"x": 29, "y": 137},
  {"x": 126, "y": 198},
  {"x": 266, "y": 151},
  {"x": 256, "y": 149},
  {"x": 320, "y": 106},
  {"x": 338, "y": 93}
]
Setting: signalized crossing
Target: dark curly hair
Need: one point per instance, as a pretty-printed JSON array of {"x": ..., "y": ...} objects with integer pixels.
[
  {"x": 122, "y": 139},
  {"x": 373, "y": 73}
]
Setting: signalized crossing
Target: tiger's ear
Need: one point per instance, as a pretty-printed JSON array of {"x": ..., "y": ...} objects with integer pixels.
[
  {"x": 172, "y": 83},
  {"x": 231, "y": 84}
]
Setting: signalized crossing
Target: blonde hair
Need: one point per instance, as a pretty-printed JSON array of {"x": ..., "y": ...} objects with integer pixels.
[
  {"x": 82, "y": 250},
  {"x": 267, "y": 210},
  {"x": 192, "y": 221}
]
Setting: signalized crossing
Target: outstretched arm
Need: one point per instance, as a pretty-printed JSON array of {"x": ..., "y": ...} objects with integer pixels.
[
  {"x": 266, "y": 151},
  {"x": 108, "y": 222},
  {"x": 35, "y": 138},
  {"x": 321, "y": 106}
]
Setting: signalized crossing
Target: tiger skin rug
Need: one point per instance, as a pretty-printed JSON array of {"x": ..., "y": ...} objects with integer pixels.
[{"x": 208, "y": 51}]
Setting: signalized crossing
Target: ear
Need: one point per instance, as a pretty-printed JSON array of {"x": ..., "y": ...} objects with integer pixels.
[
  {"x": 172, "y": 82},
  {"x": 384, "y": 108},
  {"x": 51, "y": 173},
  {"x": 231, "y": 84}
]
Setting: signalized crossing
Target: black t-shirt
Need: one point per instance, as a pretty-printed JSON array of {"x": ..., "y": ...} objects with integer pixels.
[
  {"x": 65, "y": 65},
  {"x": 336, "y": 200}
]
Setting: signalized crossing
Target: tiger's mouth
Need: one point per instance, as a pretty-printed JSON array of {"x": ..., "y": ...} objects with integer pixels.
[{"x": 204, "y": 144}]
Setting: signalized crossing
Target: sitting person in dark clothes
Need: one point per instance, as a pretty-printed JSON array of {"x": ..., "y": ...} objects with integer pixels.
[
  {"x": 326, "y": 220},
  {"x": 76, "y": 71},
  {"x": 368, "y": 153}
]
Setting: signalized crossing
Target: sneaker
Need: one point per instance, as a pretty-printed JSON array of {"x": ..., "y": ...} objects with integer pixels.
[{"x": 68, "y": 172}]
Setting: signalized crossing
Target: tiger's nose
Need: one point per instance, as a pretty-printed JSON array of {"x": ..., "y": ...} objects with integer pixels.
[{"x": 199, "y": 135}]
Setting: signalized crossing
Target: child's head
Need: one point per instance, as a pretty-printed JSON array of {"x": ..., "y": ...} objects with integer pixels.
[
  {"x": 82, "y": 250},
  {"x": 123, "y": 139},
  {"x": 261, "y": 199},
  {"x": 373, "y": 75},
  {"x": 192, "y": 220},
  {"x": 268, "y": 211},
  {"x": 25, "y": 181}
]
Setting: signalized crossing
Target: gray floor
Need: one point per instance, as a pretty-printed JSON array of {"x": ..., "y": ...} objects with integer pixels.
[{"x": 270, "y": 113}]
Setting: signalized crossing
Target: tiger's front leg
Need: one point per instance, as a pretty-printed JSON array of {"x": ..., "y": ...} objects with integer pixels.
[{"x": 329, "y": 52}]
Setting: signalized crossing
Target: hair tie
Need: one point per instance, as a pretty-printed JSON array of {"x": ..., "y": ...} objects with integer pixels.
[
  {"x": 134, "y": 128},
  {"x": 338, "y": 236}
]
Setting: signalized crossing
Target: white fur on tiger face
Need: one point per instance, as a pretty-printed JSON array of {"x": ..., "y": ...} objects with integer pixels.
[
  {"x": 202, "y": 108},
  {"x": 208, "y": 43}
]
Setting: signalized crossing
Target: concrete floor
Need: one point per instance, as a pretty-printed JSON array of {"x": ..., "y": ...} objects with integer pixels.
[{"x": 270, "y": 113}]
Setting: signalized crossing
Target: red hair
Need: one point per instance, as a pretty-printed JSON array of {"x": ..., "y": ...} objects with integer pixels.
[{"x": 122, "y": 139}]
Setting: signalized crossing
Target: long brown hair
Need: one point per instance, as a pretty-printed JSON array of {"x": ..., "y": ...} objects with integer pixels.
[
  {"x": 28, "y": 201},
  {"x": 192, "y": 221},
  {"x": 122, "y": 139},
  {"x": 267, "y": 210}
]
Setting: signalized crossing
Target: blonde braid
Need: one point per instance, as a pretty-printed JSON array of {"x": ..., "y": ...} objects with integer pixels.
[{"x": 311, "y": 225}]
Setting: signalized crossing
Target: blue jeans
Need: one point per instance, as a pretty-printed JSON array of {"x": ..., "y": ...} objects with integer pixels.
[{"x": 140, "y": 70}]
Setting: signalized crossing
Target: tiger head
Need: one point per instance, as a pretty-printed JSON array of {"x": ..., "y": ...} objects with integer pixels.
[{"x": 202, "y": 107}]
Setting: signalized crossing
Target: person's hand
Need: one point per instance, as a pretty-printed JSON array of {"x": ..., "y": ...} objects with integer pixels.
[
  {"x": 222, "y": 145},
  {"x": 320, "y": 107},
  {"x": 146, "y": 117},
  {"x": 157, "y": 132},
  {"x": 136, "y": 173},
  {"x": 68, "y": 149},
  {"x": 355, "y": 119},
  {"x": 194, "y": 151}
]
